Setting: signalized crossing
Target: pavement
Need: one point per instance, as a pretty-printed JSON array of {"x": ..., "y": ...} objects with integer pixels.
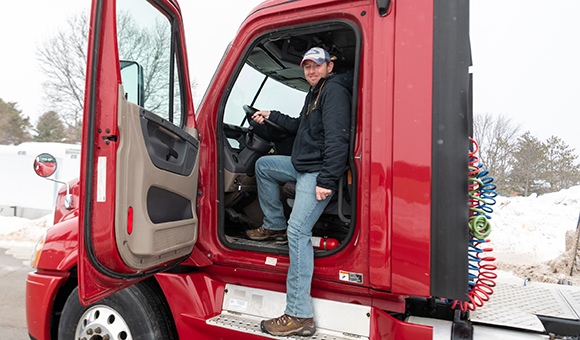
[{"x": 14, "y": 268}]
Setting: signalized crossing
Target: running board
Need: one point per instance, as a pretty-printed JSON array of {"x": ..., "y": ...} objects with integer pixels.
[{"x": 244, "y": 308}]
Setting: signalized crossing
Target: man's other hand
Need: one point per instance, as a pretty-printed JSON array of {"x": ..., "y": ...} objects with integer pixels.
[{"x": 322, "y": 193}]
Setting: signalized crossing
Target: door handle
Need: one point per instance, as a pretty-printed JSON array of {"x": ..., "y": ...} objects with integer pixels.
[{"x": 171, "y": 153}]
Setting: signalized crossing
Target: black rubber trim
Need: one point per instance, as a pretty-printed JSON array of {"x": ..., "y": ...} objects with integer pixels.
[
  {"x": 177, "y": 8},
  {"x": 450, "y": 145}
]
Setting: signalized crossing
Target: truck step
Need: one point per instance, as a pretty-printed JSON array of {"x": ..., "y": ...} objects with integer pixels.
[
  {"x": 244, "y": 308},
  {"x": 518, "y": 306},
  {"x": 248, "y": 324}
]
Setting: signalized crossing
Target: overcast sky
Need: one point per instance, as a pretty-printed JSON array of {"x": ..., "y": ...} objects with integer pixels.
[{"x": 526, "y": 55}]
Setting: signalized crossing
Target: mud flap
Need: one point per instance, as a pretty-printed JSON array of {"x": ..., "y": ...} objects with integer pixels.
[{"x": 462, "y": 328}]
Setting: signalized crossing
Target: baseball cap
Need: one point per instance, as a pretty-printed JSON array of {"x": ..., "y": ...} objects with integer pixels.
[{"x": 316, "y": 54}]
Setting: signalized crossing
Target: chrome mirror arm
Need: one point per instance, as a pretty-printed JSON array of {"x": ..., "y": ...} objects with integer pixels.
[{"x": 68, "y": 197}]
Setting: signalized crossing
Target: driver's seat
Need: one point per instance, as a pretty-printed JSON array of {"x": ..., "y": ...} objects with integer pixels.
[{"x": 339, "y": 204}]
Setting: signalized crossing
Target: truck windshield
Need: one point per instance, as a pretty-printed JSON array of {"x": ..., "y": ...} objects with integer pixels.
[{"x": 274, "y": 95}]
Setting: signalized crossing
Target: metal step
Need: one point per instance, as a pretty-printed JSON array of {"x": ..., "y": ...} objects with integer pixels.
[
  {"x": 251, "y": 325},
  {"x": 244, "y": 308},
  {"x": 516, "y": 305}
]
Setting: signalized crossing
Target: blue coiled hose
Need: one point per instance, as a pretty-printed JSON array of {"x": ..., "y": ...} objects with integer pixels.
[{"x": 482, "y": 196}]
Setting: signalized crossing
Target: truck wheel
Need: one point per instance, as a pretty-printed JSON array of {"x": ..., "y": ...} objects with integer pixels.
[{"x": 136, "y": 312}]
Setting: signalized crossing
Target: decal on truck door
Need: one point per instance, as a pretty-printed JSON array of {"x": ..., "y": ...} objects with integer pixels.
[{"x": 102, "y": 179}]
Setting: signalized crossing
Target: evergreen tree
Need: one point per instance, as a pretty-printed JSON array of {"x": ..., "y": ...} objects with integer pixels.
[
  {"x": 49, "y": 128},
  {"x": 13, "y": 126},
  {"x": 560, "y": 170},
  {"x": 527, "y": 166}
]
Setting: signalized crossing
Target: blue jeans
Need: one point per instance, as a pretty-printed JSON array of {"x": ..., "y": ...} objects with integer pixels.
[{"x": 271, "y": 171}]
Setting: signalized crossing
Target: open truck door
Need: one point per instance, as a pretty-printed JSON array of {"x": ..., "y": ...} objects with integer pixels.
[{"x": 140, "y": 147}]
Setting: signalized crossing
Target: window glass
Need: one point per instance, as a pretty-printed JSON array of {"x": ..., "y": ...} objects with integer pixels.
[
  {"x": 144, "y": 42},
  {"x": 132, "y": 77},
  {"x": 177, "y": 105},
  {"x": 273, "y": 96}
]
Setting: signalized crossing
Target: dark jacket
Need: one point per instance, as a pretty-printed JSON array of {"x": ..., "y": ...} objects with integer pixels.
[{"x": 322, "y": 129}]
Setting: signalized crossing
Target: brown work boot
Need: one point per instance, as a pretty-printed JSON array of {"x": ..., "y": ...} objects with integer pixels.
[
  {"x": 286, "y": 325},
  {"x": 262, "y": 234}
]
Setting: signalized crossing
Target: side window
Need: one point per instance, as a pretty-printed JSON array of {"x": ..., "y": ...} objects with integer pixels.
[{"x": 147, "y": 59}]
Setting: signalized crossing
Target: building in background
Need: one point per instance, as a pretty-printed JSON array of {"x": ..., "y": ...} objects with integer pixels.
[{"x": 22, "y": 192}]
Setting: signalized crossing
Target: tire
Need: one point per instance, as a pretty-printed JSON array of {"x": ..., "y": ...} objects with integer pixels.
[{"x": 137, "y": 312}]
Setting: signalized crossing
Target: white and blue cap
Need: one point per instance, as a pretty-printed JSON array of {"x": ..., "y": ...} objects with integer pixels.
[{"x": 317, "y": 55}]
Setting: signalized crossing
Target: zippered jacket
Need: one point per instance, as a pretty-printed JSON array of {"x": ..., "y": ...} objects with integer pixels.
[{"x": 322, "y": 130}]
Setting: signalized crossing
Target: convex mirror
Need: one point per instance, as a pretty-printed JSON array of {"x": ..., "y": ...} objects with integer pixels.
[{"x": 44, "y": 165}]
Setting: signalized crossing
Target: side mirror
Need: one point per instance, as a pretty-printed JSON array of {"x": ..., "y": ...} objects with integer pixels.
[
  {"x": 132, "y": 78},
  {"x": 45, "y": 166}
]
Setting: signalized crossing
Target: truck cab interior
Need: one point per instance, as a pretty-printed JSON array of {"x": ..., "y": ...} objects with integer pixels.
[{"x": 270, "y": 78}]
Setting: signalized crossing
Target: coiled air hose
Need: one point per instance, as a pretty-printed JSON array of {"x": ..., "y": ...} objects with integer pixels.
[{"x": 481, "y": 197}]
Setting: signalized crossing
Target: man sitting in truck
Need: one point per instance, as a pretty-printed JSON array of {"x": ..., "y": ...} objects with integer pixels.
[{"x": 318, "y": 159}]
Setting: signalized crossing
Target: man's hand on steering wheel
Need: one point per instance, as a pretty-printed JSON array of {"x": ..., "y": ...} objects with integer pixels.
[{"x": 259, "y": 116}]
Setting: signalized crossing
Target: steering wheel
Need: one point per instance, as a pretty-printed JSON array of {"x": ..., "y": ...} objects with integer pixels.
[{"x": 279, "y": 129}]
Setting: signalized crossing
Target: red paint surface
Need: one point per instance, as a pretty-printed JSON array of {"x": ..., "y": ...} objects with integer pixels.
[{"x": 41, "y": 290}]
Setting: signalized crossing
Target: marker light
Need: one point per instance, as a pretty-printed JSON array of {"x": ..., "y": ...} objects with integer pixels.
[
  {"x": 130, "y": 221},
  {"x": 37, "y": 251}
]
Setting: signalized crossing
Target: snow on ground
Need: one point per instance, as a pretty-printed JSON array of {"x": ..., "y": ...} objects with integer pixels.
[
  {"x": 535, "y": 227},
  {"x": 529, "y": 235},
  {"x": 19, "y": 235}
]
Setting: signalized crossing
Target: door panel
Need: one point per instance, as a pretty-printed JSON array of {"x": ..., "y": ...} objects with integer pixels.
[
  {"x": 158, "y": 184},
  {"x": 139, "y": 161}
]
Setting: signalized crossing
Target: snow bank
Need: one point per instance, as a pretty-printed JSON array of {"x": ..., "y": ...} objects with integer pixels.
[
  {"x": 19, "y": 235},
  {"x": 22, "y": 231},
  {"x": 534, "y": 227}
]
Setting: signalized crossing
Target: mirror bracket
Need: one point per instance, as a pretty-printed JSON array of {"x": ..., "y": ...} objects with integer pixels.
[{"x": 68, "y": 202}]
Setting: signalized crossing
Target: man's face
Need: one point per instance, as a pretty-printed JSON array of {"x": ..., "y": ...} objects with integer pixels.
[{"x": 314, "y": 72}]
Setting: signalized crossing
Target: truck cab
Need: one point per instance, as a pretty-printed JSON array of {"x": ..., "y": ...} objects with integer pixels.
[{"x": 154, "y": 243}]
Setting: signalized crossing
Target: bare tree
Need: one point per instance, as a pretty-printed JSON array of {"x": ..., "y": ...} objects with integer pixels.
[
  {"x": 150, "y": 47},
  {"x": 63, "y": 60},
  {"x": 496, "y": 136}
]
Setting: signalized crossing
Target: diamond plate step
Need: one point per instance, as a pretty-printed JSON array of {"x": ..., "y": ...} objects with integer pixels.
[
  {"x": 251, "y": 325},
  {"x": 516, "y": 305},
  {"x": 244, "y": 308}
]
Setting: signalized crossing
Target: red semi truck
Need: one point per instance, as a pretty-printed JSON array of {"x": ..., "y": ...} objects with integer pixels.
[{"x": 151, "y": 245}]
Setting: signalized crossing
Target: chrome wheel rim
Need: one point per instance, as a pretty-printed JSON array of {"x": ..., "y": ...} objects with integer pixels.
[{"x": 102, "y": 323}]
